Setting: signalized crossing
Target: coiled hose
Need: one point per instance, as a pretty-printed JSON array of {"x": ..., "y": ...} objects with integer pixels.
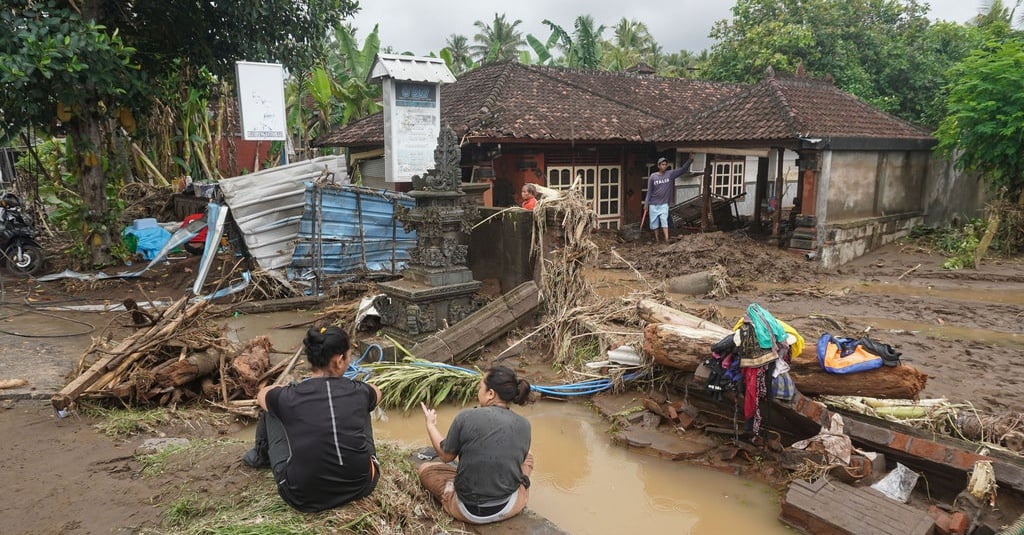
[{"x": 1017, "y": 528}]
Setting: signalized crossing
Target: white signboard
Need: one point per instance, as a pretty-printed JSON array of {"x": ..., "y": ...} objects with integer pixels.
[
  {"x": 261, "y": 100},
  {"x": 412, "y": 121}
]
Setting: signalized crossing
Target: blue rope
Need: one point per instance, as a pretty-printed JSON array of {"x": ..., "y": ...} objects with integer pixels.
[{"x": 583, "y": 388}]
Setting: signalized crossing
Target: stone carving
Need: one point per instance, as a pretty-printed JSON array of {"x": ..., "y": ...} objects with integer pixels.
[{"x": 446, "y": 175}]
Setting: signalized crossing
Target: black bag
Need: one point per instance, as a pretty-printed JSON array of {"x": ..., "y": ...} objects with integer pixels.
[
  {"x": 890, "y": 357},
  {"x": 724, "y": 347}
]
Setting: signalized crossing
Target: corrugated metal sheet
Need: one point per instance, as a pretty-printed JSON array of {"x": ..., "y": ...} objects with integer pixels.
[
  {"x": 358, "y": 229},
  {"x": 412, "y": 68},
  {"x": 268, "y": 205}
]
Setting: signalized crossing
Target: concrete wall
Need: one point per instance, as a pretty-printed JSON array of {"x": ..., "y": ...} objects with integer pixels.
[
  {"x": 851, "y": 185},
  {"x": 853, "y": 238},
  {"x": 868, "y": 183},
  {"x": 500, "y": 247},
  {"x": 951, "y": 196}
]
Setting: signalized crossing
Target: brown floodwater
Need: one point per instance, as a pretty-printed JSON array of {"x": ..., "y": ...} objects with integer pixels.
[{"x": 583, "y": 482}]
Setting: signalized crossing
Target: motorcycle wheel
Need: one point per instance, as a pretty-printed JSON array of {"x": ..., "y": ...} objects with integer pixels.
[{"x": 29, "y": 263}]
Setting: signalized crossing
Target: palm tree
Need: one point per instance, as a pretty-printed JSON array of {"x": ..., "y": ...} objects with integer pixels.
[
  {"x": 459, "y": 54},
  {"x": 631, "y": 44},
  {"x": 497, "y": 41}
]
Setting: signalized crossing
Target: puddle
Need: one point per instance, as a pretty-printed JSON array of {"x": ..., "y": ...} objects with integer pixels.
[
  {"x": 586, "y": 484},
  {"x": 245, "y": 327}
]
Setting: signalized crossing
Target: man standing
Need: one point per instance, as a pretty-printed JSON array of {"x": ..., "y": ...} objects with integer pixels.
[{"x": 660, "y": 190}]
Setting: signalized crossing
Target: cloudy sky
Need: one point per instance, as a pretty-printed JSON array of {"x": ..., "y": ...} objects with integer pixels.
[{"x": 421, "y": 26}]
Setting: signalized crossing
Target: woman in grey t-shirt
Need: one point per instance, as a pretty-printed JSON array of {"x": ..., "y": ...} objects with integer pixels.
[{"x": 492, "y": 443}]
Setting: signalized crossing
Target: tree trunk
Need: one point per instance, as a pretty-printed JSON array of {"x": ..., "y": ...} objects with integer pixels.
[
  {"x": 899, "y": 382},
  {"x": 684, "y": 348},
  {"x": 678, "y": 346},
  {"x": 185, "y": 371},
  {"x": 654, "y": 312},
  {"x": 86, "y": 144}
]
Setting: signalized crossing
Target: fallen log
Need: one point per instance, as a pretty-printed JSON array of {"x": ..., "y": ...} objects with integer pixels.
[
  {"x": 678, "y": 346},
  {"x": 684, "y": 348},
  {"x": 180, "y": 372},
  {"x": 898, "y": 382},
  {"x": 654, "y": 312},
  {"x": 109, "y": 369}
]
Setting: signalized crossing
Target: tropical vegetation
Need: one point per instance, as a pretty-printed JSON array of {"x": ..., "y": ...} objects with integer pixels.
[{"x": 144, "y": 92}]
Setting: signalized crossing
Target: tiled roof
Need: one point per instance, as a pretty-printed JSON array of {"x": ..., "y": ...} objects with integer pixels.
[
  {"x": 514, "y": 101},
  {"x": 790, "y": 108}
]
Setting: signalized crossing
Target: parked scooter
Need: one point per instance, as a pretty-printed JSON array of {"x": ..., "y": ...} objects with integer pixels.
[{"x": 22, "y": 253}]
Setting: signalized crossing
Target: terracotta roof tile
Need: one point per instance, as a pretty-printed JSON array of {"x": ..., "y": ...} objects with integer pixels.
[
  {"x": 514, "y": 101},
  {"x": 787, "y": 108}
]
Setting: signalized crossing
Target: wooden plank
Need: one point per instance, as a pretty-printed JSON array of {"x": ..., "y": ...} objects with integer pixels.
[
  {"x": 835, "y": 508},
  {"x": 481, "y": 327}
]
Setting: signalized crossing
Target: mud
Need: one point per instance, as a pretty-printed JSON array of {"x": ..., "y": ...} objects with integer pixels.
[{"x": 961, "y": 328}]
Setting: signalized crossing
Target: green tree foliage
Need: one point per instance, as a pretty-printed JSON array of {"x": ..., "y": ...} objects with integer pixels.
[
  {"x": 498, "y": 41},
  {"x": 984, "y": 124},
  {"x": 884, "y": 51},
  {"x": 583, "y": 48},
  {"x": 631, "y": 44},
  {"x": 81, "y": 64},
  {"x": 459, "y": 59}
]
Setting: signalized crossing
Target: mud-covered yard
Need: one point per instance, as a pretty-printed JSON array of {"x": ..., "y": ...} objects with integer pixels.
[{"x": 962, "y": 328}]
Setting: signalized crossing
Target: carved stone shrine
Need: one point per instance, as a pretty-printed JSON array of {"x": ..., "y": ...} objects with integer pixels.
[{"x": 437, "y": 289}]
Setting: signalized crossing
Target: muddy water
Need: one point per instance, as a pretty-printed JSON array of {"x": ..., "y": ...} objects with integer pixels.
[
  {"x": 245, "y": 327},
  {"x": 585, "y": 484}
]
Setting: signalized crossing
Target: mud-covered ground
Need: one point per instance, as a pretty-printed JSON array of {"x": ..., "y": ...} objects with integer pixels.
[{"x": 962, "y": 328}]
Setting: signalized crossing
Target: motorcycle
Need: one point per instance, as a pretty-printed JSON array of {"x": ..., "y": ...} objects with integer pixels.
[{"x": 22, "y": 253}]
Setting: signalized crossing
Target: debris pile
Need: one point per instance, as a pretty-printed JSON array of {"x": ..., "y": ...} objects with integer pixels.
[{"x": 175, "y": 356}]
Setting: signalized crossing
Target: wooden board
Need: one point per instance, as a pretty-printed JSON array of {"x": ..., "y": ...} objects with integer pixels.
[{"x": 835, "y": 508}]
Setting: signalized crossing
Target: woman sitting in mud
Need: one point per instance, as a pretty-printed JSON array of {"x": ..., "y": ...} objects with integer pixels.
[
  {"x": 492, "y": 443},
  {"x": 316, "y": 435}
]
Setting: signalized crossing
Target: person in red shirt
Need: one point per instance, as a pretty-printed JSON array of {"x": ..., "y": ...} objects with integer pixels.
[{"x": 530, "y": 196}]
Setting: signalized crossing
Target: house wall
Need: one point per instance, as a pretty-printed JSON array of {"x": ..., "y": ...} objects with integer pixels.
[
  {"x": 951, "y": 197},
  {"x": 851, "y": 186},
  {"x": 869, "y": 183},
  {"x": 871, "y": 199}
]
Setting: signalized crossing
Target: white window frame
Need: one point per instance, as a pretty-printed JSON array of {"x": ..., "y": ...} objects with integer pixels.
[
  {"x": 608, "y": 210},
  {"x": 727, "y": 178}
]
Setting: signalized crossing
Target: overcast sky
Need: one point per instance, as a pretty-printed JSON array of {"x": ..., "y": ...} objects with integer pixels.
[{"x": 422, "y": 26}]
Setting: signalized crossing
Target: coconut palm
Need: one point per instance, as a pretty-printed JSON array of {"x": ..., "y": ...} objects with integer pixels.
[
  {"x": 630, "y": 45},
  {"x": 459, "y": 59},
  {"x": 497, "y": 41}
]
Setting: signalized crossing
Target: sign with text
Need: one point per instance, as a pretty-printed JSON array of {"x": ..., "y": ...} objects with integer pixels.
[
  {"x": 412, "y": 121},
  {"x": 261, "y": 101}
]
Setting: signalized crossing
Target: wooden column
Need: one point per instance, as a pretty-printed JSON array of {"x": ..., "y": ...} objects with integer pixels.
[
  {"x": 777, "y": 214},
  {"x": 705, "y": 209}
]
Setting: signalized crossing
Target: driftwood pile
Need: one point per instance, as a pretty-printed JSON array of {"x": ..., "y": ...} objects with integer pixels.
[{"x": 175, "y": 356}]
